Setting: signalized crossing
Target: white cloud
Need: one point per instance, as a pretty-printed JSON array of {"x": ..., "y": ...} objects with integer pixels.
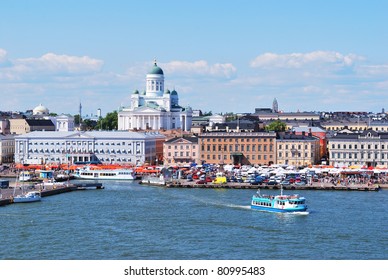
[
  {"x": 200, "y": 68},
  {"x": 59, "y": 64},
  {"x": 299, "y": 60}
]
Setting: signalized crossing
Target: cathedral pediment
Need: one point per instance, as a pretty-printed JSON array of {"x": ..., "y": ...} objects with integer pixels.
[{"x": 146, "y": 110}]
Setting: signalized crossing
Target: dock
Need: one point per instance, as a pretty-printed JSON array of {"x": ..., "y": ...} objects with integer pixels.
[
  {"x": 47, "y": 190},
  {"x": 315, "y": 186}
]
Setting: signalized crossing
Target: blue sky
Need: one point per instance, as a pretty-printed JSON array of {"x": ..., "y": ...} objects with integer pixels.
[{"x": 220, "y": 56}]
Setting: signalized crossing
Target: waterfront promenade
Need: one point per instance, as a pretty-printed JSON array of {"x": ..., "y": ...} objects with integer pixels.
[{"x": 314, "y": 186}]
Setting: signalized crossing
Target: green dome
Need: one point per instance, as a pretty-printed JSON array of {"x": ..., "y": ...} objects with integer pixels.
[
  {"x": 136, "y": 92},
  {"x": 174, "y": 92},
  {"x": 167, "y": 91},
  {"x": 156, "y": 70}
]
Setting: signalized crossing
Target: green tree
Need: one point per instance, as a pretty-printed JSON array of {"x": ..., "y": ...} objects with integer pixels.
[
  {"x": 89, "y": 124},
  {"x": 207, "y": 114},
  {"x": 276, "y": 126},
  {"x": 110, "y": 122},
  {"x": 76, "y": 119}
]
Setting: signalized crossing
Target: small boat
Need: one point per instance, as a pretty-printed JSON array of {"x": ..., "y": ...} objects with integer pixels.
[
  {"x": 31, "y": 196},
  {"x": 104, "y": 174},
  {"x": 153, "y": 180},
  {"x": 279, "y": 203},
  {"x": 25, "y": 176}
]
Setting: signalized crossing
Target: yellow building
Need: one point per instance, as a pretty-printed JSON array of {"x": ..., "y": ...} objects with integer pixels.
[
  {"x": 297, "y": 150},
  {"x": 254, "y": 148}
]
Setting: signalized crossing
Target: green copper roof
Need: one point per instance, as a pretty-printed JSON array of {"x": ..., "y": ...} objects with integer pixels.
[
  {"x": 174, "y": 92},
  {"x": 136, "y": 92},
  {"x": 156, "y": 70}
]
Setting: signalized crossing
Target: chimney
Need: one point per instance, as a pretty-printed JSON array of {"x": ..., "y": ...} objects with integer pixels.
[{"x": 310, "y": 134}]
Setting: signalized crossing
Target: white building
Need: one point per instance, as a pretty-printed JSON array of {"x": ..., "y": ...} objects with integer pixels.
[
  {"x": 91, "y": 146},
  {"x": 61, "y": 122},
  {"x": 155, "y": 108}
]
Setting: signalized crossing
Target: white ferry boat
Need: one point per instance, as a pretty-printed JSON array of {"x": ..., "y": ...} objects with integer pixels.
[
  {"x": 278, "y": 203},
  {"x": 104, "y": 174}
]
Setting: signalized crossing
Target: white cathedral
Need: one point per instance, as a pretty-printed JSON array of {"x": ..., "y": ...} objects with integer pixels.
[{"x": 155, "y": 108}]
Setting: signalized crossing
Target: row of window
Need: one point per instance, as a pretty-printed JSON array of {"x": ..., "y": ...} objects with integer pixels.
[
  {"x": 362, "y": 155},
  {"x": 83, "y": 143},
  {"x": 181, "y": 154},
  {"x": 237, "y": 139},
  {"x": 84, "y": 150},
  {"x": 237, "y": 148},
  {"x": 298, "y": 155},
  {"x": 362, "y": 146},
  {"x": 182, "y": 147},
  {"x": 248, "y": 157},
  {"x": 299, "y": 147}
]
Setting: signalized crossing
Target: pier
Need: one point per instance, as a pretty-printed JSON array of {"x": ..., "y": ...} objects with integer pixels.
[
  {"x": 314, "y": 186},
  {"x": 46, "y": 190}
]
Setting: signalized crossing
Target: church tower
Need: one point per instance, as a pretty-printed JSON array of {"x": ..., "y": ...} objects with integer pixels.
[
  {"x": 275, "y": 107},
  {"x": 155, "y": 81}
]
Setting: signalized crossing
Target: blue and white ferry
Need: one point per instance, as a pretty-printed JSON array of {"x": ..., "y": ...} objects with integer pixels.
[{"x": 279, "y": 203}]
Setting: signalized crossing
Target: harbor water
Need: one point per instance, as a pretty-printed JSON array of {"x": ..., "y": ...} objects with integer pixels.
[{"x": 128, "y": 221}]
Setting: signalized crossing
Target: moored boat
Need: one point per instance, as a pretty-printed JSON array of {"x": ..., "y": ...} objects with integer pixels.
[
  {"x": 31, "y": 196},
  {"x": 104, "y": 174},
  {"x": 278, "y": 203}
]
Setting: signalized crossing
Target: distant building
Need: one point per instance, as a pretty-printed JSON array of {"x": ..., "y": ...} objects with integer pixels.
[
  {"x": 297, "y": 150},
  {"x": 181, "y": 151},
  {"x": 315, "y": 131},
  {"x": 7, "y": 148},
  {"x": 366, "y": 148},
  {"x": 4, "y": 126},
  {"x": 156, "y": 108},
  {"x": 22, "y": 126},
  {"x": 254, "y": 148},
  {"x": 63, "y": 122},
  {"x": 265, "y": 115},
  {"x": 91, "y": 146},
  {"x": 275, "y": 106}
]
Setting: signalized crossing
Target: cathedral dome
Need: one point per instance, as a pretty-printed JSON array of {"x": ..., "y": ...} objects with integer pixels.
[
  {"x": 136, "y": 92},
  {"x": 40, "y": 110},
  {"x": 174, "y": 92},
  {"x": 156, "y": 70}
]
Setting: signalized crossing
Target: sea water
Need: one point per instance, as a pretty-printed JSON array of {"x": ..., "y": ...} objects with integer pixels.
[{"x": 136, "y": 222}]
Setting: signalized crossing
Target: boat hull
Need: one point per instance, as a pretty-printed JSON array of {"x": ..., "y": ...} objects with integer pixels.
[
  {"x": 25, "y": 198},
  {"x": 278, "y": 210}
]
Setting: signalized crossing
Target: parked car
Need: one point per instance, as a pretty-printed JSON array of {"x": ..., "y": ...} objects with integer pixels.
[
  {"x": 285, "y": 182},
  {"x": 272, "y": 182},
  {"x": 201, "y": 182},
  {"x": 301, "y": 183}
]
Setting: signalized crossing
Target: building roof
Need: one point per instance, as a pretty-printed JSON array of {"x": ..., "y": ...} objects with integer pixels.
[
  {"x": 39, "y": 122},
  {"x": 156, "y": 70},
  {"x": 297, "y": 137},
  {"x": 91, "y": 134},
  {"x": 313, "y": 129},
  {"x": 193, "y": 140}
]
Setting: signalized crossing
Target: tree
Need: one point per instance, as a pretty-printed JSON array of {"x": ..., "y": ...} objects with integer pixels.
[
  {"x": 110, "y": 122},
  {"x": 276, "y": 126},
  {"x": 76, "y": 119}
]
